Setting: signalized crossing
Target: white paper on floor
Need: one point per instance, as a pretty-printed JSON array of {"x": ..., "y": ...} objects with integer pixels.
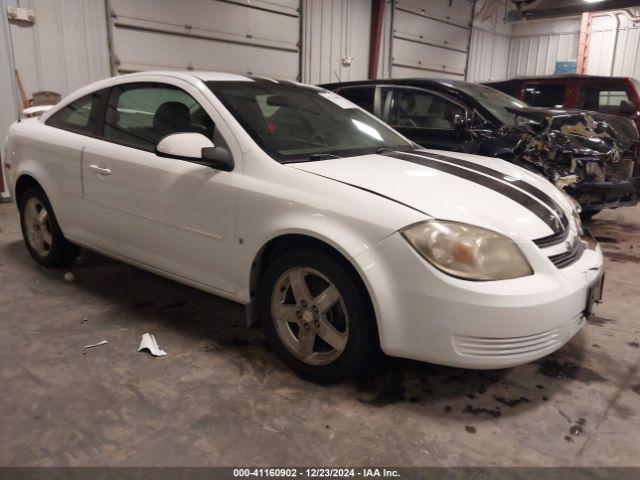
[
  {"x": 103, "y": 342},
  {"x": 148, "y": 342}
]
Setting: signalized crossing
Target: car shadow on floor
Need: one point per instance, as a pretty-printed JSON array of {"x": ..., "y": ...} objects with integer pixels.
[{"x": 133, "y": 295}]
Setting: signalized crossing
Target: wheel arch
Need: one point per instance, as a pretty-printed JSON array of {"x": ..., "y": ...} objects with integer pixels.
[
  {"x": 290, "y": 241},
  {"x": 23, "y": 183}
]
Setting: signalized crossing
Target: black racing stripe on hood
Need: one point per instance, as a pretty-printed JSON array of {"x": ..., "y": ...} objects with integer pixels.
[
  {"x": 509, "y": 191},
  {"x": 521, "y": 184}
]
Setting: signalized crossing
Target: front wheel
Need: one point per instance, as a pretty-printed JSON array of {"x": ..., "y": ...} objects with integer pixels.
[
  {"x": 41, "y": 232},
  {"x": 315, "y": 316}
]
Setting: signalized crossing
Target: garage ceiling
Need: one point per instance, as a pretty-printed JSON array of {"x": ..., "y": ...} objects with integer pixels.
[
  {"x": 430, "y": 38},
  {"x": 260, "y": 38}
]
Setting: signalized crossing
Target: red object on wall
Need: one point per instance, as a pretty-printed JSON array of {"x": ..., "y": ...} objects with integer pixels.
[
  {"x": 377, "y": 15},
  {"x": 583, "y": 46}
]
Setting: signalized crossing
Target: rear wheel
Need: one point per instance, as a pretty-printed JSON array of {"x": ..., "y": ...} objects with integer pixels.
[
  {"x": 41, "y": 232},
  {"x": 315, "y": 316}
]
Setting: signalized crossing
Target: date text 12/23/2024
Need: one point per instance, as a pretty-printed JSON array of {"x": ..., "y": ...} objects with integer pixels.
[{"x": 315, "y": 473}]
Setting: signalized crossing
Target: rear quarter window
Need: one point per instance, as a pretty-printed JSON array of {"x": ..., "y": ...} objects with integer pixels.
[
  {"x": 604, "y": 98},
  {"x": 79, "y": 116}
]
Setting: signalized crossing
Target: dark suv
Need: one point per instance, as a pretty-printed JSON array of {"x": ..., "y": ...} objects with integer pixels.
[{"x": 589, "y": 155}]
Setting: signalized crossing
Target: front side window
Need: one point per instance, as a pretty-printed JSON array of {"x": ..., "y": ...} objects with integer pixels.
[
  {"x": 361, "y": 96},
  {"x": 602, "y": 98},
  {"x": 549, "y": 95},
  {"x": 406, "y": 107},
  {"x": 294, "y": 123},
  {"x": 501, "y": 105},
  {"x": 78, "y": 116},
  {"x": 140, "y": 114}
]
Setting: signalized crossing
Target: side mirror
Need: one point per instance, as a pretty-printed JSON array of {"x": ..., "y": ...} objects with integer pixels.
[
  {"x": 459, "y": 122},
  {"x": 196, "y": 148},
  {"x": 626, "y": 108},
  {"x": 183, "y": 146}
]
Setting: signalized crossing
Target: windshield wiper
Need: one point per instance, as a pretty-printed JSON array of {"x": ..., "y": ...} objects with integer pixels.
[
  {"x": 322, "y": 156},
  {"x": 406, "y": 148},
  {"x": 384, "y": 150}
]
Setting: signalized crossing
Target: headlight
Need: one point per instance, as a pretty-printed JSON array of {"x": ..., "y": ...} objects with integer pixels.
[{"x": 468, "y": 252}]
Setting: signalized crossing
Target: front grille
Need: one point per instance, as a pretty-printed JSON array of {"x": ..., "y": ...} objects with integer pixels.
[
  {"x": 572, "y": 255},
  {"x": 554, "y": 238}
]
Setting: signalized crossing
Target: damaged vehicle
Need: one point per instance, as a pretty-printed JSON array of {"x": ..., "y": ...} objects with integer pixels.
[{"x": 589, "y": 155}]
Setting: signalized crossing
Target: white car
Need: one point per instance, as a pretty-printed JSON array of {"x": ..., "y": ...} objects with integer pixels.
[{"x": 335, "y": 231}]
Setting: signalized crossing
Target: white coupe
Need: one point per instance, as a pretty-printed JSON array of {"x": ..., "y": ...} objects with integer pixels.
[{"x": 336, "y": 232}]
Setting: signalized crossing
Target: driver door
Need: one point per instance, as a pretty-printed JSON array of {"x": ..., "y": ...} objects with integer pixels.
[
  {"x": 429, "y": 119},
  {"x": 173, "y": 215}
]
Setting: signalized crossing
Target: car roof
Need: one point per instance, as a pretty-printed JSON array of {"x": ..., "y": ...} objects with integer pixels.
[
  {"x": 187, "y": 75},
  {"x": 213, "y": 76},
  {"x": 421, "y": 82},
  {"x": 562, "y": 76}
]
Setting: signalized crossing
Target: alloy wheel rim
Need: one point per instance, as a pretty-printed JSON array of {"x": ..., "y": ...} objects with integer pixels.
[
  {"x": 310, "y": 316},
  {"x": 38, "y": 226}
]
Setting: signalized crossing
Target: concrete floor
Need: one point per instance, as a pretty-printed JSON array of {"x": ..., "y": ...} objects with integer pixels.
[{"x": 221, "y": 398}]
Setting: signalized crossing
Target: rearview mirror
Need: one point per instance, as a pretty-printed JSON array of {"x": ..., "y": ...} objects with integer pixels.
[
  {"x": 277, "y": 101},
  {"x": 626, "y": 108}
]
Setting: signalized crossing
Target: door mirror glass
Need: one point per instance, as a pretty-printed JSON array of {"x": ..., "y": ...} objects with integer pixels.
[
  {"x": 183, "y": 146},
  {"x": 219, "y": 158}
]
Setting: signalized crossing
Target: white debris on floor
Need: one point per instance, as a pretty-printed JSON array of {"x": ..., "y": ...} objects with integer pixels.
[
  {"x": 103, "y": 342},
  {"x": 69, "y": 277},
  {"x": 148, "y": 342}
]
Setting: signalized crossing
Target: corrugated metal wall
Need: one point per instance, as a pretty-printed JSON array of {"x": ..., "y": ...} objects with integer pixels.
[
  {"x": 8, "y": 99},
  {"x": 488, "y": 56},
  {"x": 615, "y": 47},
  {"x": 430, "y": 38},
  {"x": 536, "y": 46},
  {"x": 335, "y": 40},
  {"x": 627, "y": 56},
  {"x": 259, "y": 37},
  {"x": 490, "y": 40}
]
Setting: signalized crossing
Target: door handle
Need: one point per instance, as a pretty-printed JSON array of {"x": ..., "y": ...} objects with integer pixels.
[{"x": 99, "y": 170}]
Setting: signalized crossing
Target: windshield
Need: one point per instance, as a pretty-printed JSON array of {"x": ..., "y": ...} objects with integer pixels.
[
  {"x": 295, "y": 123},
  {"x": 493, "y": 100}
]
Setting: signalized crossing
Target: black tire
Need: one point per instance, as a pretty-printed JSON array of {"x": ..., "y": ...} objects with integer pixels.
[
  {"x": 361, "y": 340},
  {"x": 588, "y": 215},
  {"x": 60, "y": 251}
]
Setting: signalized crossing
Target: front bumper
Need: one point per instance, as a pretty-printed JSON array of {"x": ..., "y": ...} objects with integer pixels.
[
  {"x": 600, "y": 195},
  {"x": 426, "y": 315}
]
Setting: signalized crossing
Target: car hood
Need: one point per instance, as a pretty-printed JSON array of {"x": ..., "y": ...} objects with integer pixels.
[{"x": 482, "y": 191}]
